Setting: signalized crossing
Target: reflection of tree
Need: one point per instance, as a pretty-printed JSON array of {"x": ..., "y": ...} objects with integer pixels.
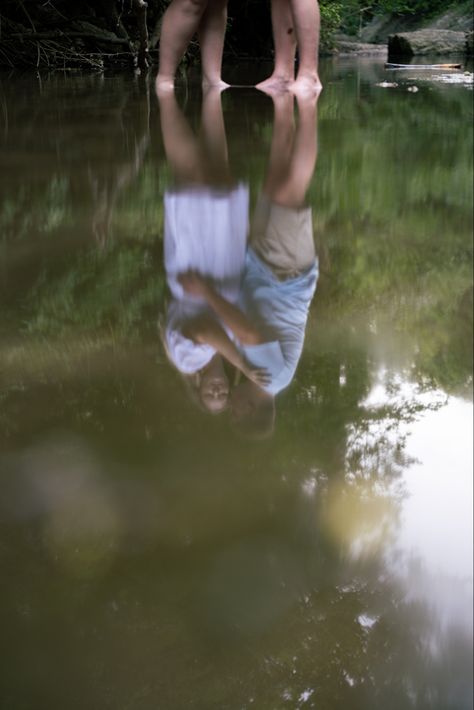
[
  {"x": 226, "y": 572},
  {"x": 275, "y": 520},
  {"x": 445, "y": 355},
  {"x": 400, "y": 242},
  {"x": 77, "y": 293},
  {"x": 403, "y": 263}
]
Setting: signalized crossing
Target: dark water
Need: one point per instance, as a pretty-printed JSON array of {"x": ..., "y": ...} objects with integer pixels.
[{"x": 152, "y": 554}]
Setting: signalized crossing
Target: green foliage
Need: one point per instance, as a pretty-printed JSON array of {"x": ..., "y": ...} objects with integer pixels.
[
  {"x": 356, "y": 13},
  {"x": 138, "y": 521},
  {"x": 18, "y": 216},
  {"x": 101, "y": 291},
  {"x": 393, "y": 220},
  {"x": 331, "y": 17}
]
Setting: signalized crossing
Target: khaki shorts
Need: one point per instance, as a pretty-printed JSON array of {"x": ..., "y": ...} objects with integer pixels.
[{"x": 283, "y": 237}]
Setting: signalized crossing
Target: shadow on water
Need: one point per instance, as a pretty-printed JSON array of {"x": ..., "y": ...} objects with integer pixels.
[{"x": 155, "y": 555}]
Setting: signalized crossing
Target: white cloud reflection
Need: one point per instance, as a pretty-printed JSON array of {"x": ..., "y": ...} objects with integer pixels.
[{"x": 435, "y": 534}]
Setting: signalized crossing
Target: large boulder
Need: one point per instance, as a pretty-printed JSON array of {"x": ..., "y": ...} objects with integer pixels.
[
  {"x": 429, "y": 41},
  {"x": 455, "y": 17},
  {"x": 348, "y": 47}
]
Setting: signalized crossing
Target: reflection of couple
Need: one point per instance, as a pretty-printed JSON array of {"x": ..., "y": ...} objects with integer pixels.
[{"x": 238, "y": 305}]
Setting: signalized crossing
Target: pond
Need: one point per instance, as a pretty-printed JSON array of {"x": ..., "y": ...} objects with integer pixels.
[{"x": 253, "y": 489}]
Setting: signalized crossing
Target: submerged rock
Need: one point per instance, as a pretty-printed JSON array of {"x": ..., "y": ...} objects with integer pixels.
[{"x": 408, "y": 44}]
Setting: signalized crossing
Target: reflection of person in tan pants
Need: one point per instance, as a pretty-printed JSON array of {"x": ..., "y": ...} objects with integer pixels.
[{"x": 281, "y": 266}]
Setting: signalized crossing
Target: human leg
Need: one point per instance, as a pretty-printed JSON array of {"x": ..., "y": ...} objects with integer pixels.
[
  {"x": 213, "y": 136},
  {"x": 285, "y": 47},
  {"x": 211, "y": 38},
  {"x": 281, "y": 147},
  {"x": 291, "y": 192},
  {"x": 282, "y": 231},
  {"x": 181, "y": 146},
  {"x": 281, "y": 150},
  {"x": 307, "y": 24},
  {"x": 180, "y": 21}
]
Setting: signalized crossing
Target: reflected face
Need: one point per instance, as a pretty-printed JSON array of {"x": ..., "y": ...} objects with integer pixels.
[{"x": 214, "y": 392}]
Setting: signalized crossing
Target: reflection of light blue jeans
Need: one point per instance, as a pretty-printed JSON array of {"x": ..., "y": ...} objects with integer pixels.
[{"x": 283, "y": 237}]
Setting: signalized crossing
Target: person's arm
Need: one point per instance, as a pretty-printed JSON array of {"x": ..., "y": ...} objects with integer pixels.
[
  {"x": 229, "y": 314},
  {"x": 207, "y": 331}
]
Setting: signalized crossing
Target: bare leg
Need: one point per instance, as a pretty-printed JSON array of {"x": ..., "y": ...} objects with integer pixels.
[
  {"x": 211, "y": 38},
  {"x": 180, "y": 21},
  {"x": 285, "y": 47},
  {"x": 291, "y": 191},
  {"x": 181, "y": 146},
  {"x": 213, "y": 137},
  {"x": 281, "y": 148},
  {"x": 307, "y": 22}
]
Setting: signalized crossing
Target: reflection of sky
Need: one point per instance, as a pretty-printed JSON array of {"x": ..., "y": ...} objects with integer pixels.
[
  {"x": 436, "y": 525},
  {"x": 437, "y": 517},
  {"x": 432, "y": 547}
]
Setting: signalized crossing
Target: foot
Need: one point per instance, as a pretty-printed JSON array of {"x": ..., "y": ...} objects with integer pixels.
[
  {"x": 276, "y": 82},
  {"x": 164, "y": 84},
  {"x": 306, "y": 85}
]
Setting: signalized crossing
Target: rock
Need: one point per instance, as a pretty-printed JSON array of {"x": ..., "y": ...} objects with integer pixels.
[
  {"x": 408, "y": 44},
  {"x": 459, "y": 18},
  {"x": 345, "y": 47},
  {"x": 469, "y": 44}
]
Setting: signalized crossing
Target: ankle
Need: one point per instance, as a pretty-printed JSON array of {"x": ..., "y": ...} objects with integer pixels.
[
  {"x": 284, "y": 72},
  {"x": 210, "y": 80},
  {"x": 307, "y": 73}
]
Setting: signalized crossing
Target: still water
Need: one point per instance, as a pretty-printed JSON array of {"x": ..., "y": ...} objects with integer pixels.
[{"x": 236, "y": 394}]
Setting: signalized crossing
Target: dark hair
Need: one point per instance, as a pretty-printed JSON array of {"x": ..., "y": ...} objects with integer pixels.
[{"x": 260, "y": 423}]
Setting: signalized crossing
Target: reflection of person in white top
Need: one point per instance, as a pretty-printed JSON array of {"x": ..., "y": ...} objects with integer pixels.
[
  {"x": 205, "y": 234},
  {"x": 280, "y": 274}
]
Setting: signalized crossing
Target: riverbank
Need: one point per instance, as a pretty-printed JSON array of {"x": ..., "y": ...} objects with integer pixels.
[
  {"x": 445, "y": 33},
  {"x": 102, "y": 36}
]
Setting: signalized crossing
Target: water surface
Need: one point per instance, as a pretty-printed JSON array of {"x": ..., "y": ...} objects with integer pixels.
[{"x": 153, "y": 556}]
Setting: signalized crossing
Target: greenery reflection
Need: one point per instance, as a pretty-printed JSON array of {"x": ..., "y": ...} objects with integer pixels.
[{"x": 247, "y": 572}]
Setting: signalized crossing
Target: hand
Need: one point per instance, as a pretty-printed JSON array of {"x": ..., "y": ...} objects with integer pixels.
[
  {"x": 194, "y": 284},
  {"x": 259, "y": 375}
]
